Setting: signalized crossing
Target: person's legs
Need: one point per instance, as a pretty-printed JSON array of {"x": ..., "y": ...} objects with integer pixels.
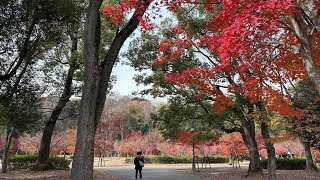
[
  {"x": 140, "y": 171},
  {"x": 136, "y": 173}
]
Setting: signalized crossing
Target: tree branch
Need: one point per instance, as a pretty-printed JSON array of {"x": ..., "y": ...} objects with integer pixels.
[{"x": 294, "y": 47}]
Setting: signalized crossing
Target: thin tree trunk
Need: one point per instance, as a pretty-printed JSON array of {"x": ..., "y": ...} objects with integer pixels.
[
  {"x": 6, "y": 150},
  {"x": 309, "y": 160},
  {"x": 23, "y": 53},
  {"x": 44, "y": 151},
  {"x": 96, "y": 84},
  {"x": 270, "y": 150},
  {"x": 193, "y": 159}
]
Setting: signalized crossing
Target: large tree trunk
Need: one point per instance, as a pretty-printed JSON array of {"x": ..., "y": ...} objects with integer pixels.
[
  {"x": 82, "y": 166},
  {"x": 270, "y": 150},
  {"x": 309, "y": 160},
  {"x": 306, "y": 50},
  {"x": 44, "y": 151},
  {"x": 269, "y": 145},
  {"x": 250, "y": 141},
  {"x": 6, "y": 150},
  {"x": 96, "y": 84},
  {"x": 249, "y": 138}
]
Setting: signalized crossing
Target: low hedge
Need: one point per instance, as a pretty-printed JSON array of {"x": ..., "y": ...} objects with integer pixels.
[
  {"x": 286, "y": 163},
  {"x": 59, "y": 163},
  {"x": 18, "y": 162},
  {"x": 166, "y": 159}
]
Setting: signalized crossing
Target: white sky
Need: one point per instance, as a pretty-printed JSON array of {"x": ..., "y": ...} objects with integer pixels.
[{"x": 125, "y": 84}]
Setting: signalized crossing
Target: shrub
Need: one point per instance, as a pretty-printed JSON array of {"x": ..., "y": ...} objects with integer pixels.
[
  {"x": 167, "y": 159},
  {"x": 59, "y": 163},
  {"x": 128, "y": 160},
  {"x": 218, "y": 159},
  {"x": 18, "y": 162},
  {"x": 285, "y": 163}
]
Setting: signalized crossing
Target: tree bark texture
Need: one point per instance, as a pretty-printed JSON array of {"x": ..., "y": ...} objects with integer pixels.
[
  {"x": 6, "y": 150},
  {"x": 44, "y": 151},
  {"x": 309, "y": 160},
  {"x": 96, "y": 83},
  {"x": 251, "y": 143},
  {"x": 193, "y": 159},
  {"x": 269, "y": 145},
  {"x": 82, "y": 166},
  {"x": 270, "y": 150},
  {"x": 248, "y": 135},
  {"x": 306, "y": 50}
]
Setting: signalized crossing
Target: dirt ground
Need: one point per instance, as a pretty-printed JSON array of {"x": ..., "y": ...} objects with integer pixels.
[
  {"x": 240, "y": 174},
  {"x": 52, "y": 175},
  {"x": 216, "y": 174}
]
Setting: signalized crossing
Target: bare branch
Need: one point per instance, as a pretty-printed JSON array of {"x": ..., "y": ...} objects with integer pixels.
[
  {"x": 202, "y": 53},
  {"x": 294, "y": 47},
  {"x": 315, "y": 24}
]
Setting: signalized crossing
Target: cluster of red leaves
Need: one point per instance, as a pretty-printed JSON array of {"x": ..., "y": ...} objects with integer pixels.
[
  {"x": 171, "y": 50},
  {"x": 245, "y": 30},
  {"x": 117, "y": 13},
  {"x": 186, "y": 137},
  {"x": 243, "y": 35}
]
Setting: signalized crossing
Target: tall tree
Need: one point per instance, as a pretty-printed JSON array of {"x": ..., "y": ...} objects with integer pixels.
[
  {"x": 96, "y": 82},
  {"x": 71, "y": 27},
  {"x": 242, "y": 42},
  {"x": 28, "y": 32},
  {"x": 19, "y": 113},
  {"x": 29, "y": 29},
  {"x": 305, "y": 97},
  {"x": 187, "y": 123},
  {"x": 190, "y": 63}
]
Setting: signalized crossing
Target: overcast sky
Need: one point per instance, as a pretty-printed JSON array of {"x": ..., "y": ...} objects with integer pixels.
[{"x": 125, "y": 85}]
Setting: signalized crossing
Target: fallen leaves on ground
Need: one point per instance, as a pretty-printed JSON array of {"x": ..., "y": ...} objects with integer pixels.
[
  {"x": 240, "y": 174},
  {"x": 52, "y": 175}
]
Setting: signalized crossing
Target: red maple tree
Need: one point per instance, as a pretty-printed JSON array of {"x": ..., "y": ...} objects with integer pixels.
[{"x": 232, "y": 145}]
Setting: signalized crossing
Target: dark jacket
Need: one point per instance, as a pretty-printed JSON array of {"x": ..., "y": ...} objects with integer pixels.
[{"x": 136, "y": 161}]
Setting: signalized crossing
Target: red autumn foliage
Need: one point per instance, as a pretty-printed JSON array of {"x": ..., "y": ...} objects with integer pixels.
[
  {"x": 255, "y": 48},
  {"x": 64, "y": 142},
  {"x": 232, "y": 145},
  {"x": 187, "y": 137},
  {"x": 101, "y": 145},
  {"x": 133, "y": 143}
]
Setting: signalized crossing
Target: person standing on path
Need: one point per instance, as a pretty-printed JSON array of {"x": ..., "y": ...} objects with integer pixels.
[{"x": 139, "y": 163}]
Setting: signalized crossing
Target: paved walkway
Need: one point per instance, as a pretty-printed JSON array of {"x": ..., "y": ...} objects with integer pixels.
[
  {"x": 158, "y": 171},
  {"x": 128, "y": 173}
]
